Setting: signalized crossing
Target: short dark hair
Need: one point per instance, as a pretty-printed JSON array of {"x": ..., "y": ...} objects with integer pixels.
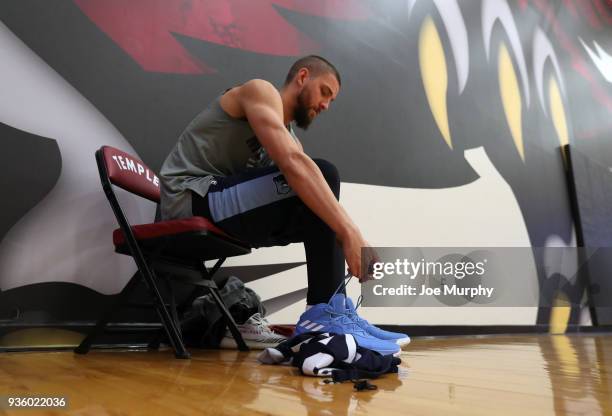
[{"x": 317, "y": 65}]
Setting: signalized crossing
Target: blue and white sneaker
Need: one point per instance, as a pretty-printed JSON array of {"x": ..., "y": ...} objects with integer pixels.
[
  {"x": 397, "y": 337},
  {"x": 332, "y": 317}
]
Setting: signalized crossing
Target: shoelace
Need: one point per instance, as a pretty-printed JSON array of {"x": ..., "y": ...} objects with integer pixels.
[
  {"x": 343, "y": 317},
  {"x": 359, "y": 299},
  {"x": 344, "y": 320},
  {"x": 343, "y": 284},
  {"x": 354, "y": 314}
]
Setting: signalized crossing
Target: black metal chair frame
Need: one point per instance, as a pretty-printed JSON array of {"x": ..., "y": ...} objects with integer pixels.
[{"x": 151, "y": 261}]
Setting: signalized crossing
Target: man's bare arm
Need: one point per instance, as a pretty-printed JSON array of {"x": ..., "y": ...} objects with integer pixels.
[{"x": 263, "y": 108}]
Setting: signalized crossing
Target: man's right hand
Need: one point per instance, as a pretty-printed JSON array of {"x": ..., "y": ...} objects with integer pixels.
[{"x": 352, "y": 245}]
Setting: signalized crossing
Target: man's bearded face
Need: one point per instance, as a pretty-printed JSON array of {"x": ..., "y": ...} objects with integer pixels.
[{"x": 304, "y": 114}]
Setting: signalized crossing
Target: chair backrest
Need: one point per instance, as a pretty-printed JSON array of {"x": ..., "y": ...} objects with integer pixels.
[{"x": 128, "y": 172}]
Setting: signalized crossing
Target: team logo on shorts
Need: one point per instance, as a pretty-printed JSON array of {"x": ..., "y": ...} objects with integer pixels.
[{"x": 282, "y": 187}]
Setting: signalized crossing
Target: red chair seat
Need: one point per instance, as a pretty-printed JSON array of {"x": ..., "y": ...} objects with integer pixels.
[
  {"x": 183, "y": 235},
  {"x": 163, "y": 228}
]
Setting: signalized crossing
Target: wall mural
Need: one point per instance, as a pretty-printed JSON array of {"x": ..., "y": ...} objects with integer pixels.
[{"x": 446, "y": 132}]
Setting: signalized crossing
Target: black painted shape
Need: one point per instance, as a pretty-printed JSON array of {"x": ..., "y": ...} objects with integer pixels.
[
  {"x": 280, "y": 302},
  {"x": 47, "y": 302},
  {"x": 257, "y": 271},
  {"x": 235, "y": 66},
  {"x": 30, "y": 166},
  {"x": 591, "y": 167},
  {"x": 64, "y": 302}
]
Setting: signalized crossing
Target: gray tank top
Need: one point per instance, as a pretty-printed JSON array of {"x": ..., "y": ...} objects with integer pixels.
[{"x": 214, "y": 143}]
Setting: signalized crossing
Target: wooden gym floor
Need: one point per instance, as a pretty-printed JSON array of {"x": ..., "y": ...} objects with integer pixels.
[{"x": 526, "y": 375}]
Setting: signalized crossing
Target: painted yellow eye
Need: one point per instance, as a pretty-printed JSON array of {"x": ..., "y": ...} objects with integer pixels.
[
  {"x": 434, "y": 75},
  {"x": 557, "y": 111},
  {"x": 511, "y": 98}
]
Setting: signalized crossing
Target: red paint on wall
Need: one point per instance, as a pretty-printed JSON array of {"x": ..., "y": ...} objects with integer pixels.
[{"x": 144, "y": 28}]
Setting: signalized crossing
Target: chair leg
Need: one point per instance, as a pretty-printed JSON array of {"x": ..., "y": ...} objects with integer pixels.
[
  {"x": 85, "y": 344},
  {"x": 157, "y": 338},
  {"x": 230, "y": 321},
  {"x": 173, "y": 307},
  {"x": 174, "y": 334}
]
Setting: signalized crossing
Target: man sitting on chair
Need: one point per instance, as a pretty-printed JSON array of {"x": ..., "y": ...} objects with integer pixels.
[{"x": 239, "y": 164}]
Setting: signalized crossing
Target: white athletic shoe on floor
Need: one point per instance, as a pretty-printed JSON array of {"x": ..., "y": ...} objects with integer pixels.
[{"x": 256, "y": 333}]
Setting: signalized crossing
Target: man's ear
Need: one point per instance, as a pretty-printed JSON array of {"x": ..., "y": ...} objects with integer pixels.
[{"x": 302, "y": 75}]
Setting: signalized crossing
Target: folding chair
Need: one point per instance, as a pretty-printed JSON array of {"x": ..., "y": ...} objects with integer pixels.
[{"x": 174, "y": 249}]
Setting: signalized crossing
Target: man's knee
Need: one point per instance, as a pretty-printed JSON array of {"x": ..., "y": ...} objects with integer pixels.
[{"x": 331, "y": 175}]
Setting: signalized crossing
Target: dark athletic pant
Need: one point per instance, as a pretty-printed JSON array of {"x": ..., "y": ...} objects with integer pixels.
[{"x": 260, "y": 208}]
